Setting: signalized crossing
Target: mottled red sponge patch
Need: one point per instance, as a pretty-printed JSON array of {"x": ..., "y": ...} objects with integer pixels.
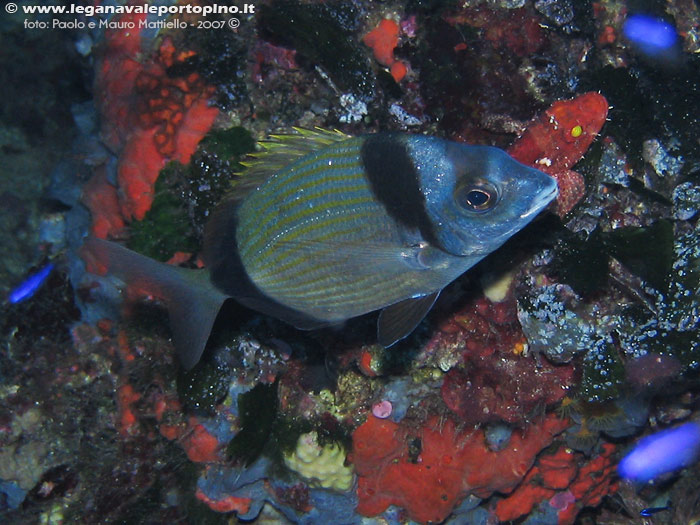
[
  {"x": 494, "y": 380},
  {"x": 558, "y": 139},
  {"x": 149, "y": 116},
  {"x": 228, "y": 504},
  {"x": 101, "y": 199},
  {"x": 504, "y": 388},
  {"x": 451, "y": 464},
  {"x": 567, "y": 480},
  {"x": 383, "y": 39}
]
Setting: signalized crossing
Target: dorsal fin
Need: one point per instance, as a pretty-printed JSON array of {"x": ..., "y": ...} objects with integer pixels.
[{"x": 280, "y": 150}]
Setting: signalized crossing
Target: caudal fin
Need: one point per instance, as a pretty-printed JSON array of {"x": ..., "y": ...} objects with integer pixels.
[{"x": 192, "y": 301}]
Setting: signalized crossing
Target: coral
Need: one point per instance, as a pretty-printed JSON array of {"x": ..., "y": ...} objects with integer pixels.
[
  {"x": 227, "y": 504},
  {"x": 24, "y": 456},
  {"x": 382, "y": 409},
  {"x": 324, "y": 506},
  {"x": 607, "y": 330},
  {"x": 296, "y": 496},
  {"x": 103, "y": 202},
  {"x": 450, "y": 464},
  {"x": 559, "y": 12},
  {"x": 557, "y": 139},
  {"x": 503, "y": 388},
  {"x": 149, "y": 117},
  {"x": 686, "y": 201},
  {"x": 493, "y": 381},
  {"x": 481, "y": 327},
  {"x": 383, "y": 40},
  {"x": 549, "y": 474},
  {"x": 200, "y": 445},
  {"x": 560, "y": 479},
  {"x": 321, "y": 466},
  {"x": 126, "y": 396},
  {"x": 594, "y": 481},
  {"x": 225, "y": 489},
  {"x": 554, "y": 324},
  {"x": 616, "y": 418}
]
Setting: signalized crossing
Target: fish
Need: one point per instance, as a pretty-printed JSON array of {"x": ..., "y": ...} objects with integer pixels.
[
  {"x": 650, "y": 511},
  {"x": 27, "y": 288},
  {"x": 662, "y": 453},
  {"x": 653, "y": 37},
  {"x": 324, "y": 227}
]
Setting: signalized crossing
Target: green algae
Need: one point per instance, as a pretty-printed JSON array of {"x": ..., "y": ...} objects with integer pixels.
[
  {"x": 165, "y": 229},
  {"x": 257, "y": 412},
  {"x": 647, "y": 252},
  {"x": 185, "y": 196},
  {"x": 228, "y": 143},
  {"x": 603, "y": 374},
  {"x": 582, "y": 260},
  {"x": 205, "y": 386}
]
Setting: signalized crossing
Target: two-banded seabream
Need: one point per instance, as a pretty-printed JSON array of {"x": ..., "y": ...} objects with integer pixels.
[{"x": 324, "y": 227}]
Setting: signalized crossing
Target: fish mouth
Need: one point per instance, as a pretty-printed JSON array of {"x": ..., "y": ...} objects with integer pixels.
[{"x": 541, "y": 201}]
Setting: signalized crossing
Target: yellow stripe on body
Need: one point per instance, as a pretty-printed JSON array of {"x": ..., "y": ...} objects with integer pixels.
[
  {"x": 268, "y": 209},
  {"x": 310, "y": 227},
  {"x": 341, "y": 300},
  {"x": 290, "y": 217},
  {"x": 320, "y": 283},
  {"x": 295, "y": 171},
  {"x": 300, "y": 254},
  {"x": 269, "y": 256},
  {"x": 300, "y": 276},
  {"x": 293, "y": 189}
]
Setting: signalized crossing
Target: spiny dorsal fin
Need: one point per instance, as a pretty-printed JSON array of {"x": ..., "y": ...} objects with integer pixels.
[{"x": 280, "y": 150}]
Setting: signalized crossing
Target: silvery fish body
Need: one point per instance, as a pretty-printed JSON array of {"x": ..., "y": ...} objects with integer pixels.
[{"x": 383, "y": 221}]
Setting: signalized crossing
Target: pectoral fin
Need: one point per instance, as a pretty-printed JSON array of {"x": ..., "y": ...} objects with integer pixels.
[{"x": 400, "y": 319}]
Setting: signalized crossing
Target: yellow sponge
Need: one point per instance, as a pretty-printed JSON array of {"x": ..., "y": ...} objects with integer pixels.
[{"x": 320, "y": 466}]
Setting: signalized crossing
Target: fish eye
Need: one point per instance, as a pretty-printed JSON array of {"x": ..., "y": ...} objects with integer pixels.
[{"x": 479, "y": 197}]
